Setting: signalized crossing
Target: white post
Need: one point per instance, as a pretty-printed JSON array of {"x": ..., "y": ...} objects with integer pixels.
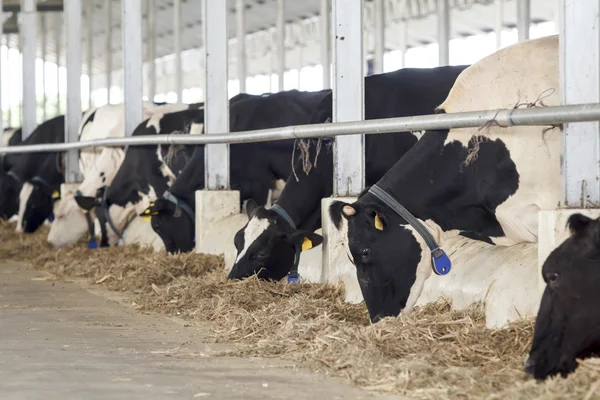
[
  {"x": 326, "y": 42},
  {"x": 216, "y": 110},
  {"x": 177, "y": 43},
  {"x": 499, "y": 23},
  {"x": 1, "y": 61},
  {"x": 90, "y": 47},
  {"x": 443, "y": 18},
  {"x": 580, "y": 77},
  {"x": 524, "y": 18},
  {"x": 57, "y": 50},
  {"x": 348, "y": 95},
  {"x": 108, "y": 47},
  {"x": 241, "y": 43},
  {"x": 379, "y": 36},
  {"x": 44, "y": 29},
  {"x": 28, "y": 31},
  {"x": 281, "y": 41},
  {"x": 73, "y": 114},
  {"x": 9, "y": 63},
  {"x": 131, "y": 27},
  {"x": 151, "y": 41},
  {"x": 404, "y": 7}
]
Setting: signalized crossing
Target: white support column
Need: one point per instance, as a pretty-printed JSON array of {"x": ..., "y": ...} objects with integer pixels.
[
  {"x": 216, "y": 110},
  {"x": 240, "y": 17},
  {"x": 379, "y": 36},
  {"x": 151, "y": 41},
  {"x": 108, "y": 47},
  {"x": 177, "y": 43},
  {"x": 131, "y": 28},
  {"x": 9, "y": 72},
  {"x": 404, "y": 7},
  {"x": 325, "y": 22},
  {"x": 280, "y": 25},
  {"x": 44, "y": 29},
  {"x": 499, "y": 23},
  {"x": 443, "y": 19},
  {"x": 524, "y": 18},
  {"x": 1, "y": 62},
  {"x": 28, "y": 32},
  {"x": 58, "y": 50},
  {"x": 90, "y": 46},
  {"x": 73, "y": 115}
]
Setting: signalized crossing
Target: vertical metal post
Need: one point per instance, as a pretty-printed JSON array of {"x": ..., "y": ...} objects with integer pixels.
[
  {"x": 9, "y": 72},
  {"x": 523, "y": 19},
  {"x": 90, "y": 47},
  {"x": 443, "y": 19},
  {"x": 580, "y": 79},
  {"x": 326, "y": 42},
  {"x": 177, "y": 40},
  {"x": 151, "y": 41},
  {"x": 499, "y": 23},
  {"x": 28, "y": 31},
  {"x": 379, "y": 36},
  {"x": 348, "y": 95},
  {"x": 280, "y": 41},
  {"x": 108, "y": 47},
  {"x": 241, "y": 43},
  {"x": 44, "y": 29},
  {"x": 57, "y": 50},
  {"x": 216, "y": 110},
  {"x": 1, "y": 61},
  {"x": 73, "y": 114},
  {"x": 404, "y": 7},
  {"x": 131, "y": 28}
]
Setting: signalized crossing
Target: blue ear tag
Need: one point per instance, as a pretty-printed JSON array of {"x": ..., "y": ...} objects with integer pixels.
[
  {"x": 51, "y": 218},
  {"x": 441, "y": 262},
  {"x": 93, "y": 244},
  {"x": 293, "y": 277}
]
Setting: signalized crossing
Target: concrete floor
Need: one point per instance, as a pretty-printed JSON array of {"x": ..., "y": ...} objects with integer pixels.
[{"x": 61, "y": 341}]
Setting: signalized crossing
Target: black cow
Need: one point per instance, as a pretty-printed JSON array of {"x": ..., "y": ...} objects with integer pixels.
[
  {"x": 42, "y": 170},
  {"x": 268, "y": 245},
  {"x": 144, "y": 168},
  {"x": 254, "y": 167},
  {"x": 9, "y": 201},
  {"x": 567, "y": 327}
]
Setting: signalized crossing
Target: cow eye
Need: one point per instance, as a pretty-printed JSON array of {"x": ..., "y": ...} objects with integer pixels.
[
  {"x": 365, "y": 254},
  {"x": 552, "y": 277}
]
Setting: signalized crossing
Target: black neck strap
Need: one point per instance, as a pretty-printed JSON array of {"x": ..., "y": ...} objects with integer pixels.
[
  {"x": 180, "y": 204},
  {"x": 293, "y": 276}
]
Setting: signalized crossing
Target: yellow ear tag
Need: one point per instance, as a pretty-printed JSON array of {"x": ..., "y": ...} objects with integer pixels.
[
  {"x": 378, "y": 223},
  {"x": 146, "y": 218},
  {"x": 306, "y": 244},
  {"x": 55, "y": 194}
]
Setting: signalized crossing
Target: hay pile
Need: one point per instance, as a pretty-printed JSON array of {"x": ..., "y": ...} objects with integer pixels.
[{"x": 432, "y": 353}]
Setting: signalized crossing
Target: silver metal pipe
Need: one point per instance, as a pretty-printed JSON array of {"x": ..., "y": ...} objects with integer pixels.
[
  {"x": 73, "y": 9},
  {"x": 131, "y": 39},
  {"x": 108, "y": 47},
  {"x": 503, "y": 117},
  {"x": 379, "y": 36},
  {"x": 28, "y": 32},
  {"x": 44, "y": 29},
  {"x": 57, "y": 49},
  {"x": 443, "y": 19},
  {"x": 241, "y": 43},
  {"x": 499, "y": 22},
  {"x": 90, "y": 47},
  {"x": 280, "y": 26},
  {"x": 523, "y": 19},
  {"x": 326, "y": 42},
  {"x": 177, "y": 42},
  {"x": 151, "y": 41},
  {"x": 1, "y": 62}
]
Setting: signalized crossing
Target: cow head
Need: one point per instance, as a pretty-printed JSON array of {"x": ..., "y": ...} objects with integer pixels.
[
  {"x": 267, "y": 245},
  {"x": 69, "y": 223},
  {"x": 39, "y": 205},
  {"x": 392, "y": 261},
  {"x": 173, "y": 224},
  {"x": 10, "y": 186},
  {"x": 568, "y": 324}
]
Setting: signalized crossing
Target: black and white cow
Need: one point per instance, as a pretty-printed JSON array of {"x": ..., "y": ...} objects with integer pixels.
[
  {"x": 9, "y": 203},
  {"x": 254, "y": 167},
  {"x": 567, "y": 327},
  {"x": 145, "y": 171},
  {"x": 268, "y": 243},
  {"x": 71, "y": 221},
  {"x": 488, "y": 183}
]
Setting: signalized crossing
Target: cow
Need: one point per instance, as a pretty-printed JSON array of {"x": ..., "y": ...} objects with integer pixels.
[
  {"x": 9, "y": 204},
  {"x": 269, "y": 245},
  {"x": 254, "y": 167},
  {"x": 489, "y": 183},
  {"x": 144, "y": 171},
  {"x": 567, "y": 326},
  {"x": 72, "y": 222}
]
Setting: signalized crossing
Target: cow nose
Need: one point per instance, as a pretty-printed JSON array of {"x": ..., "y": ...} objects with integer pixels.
[{"x": 530, "y": 366}]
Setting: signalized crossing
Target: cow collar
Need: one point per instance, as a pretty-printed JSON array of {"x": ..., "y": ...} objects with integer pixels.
[
  {"x": 92, "y": 242},
  {"x": 15, "y": 177},
  {"x": 441, "y": 263},
  {"x": 293, "y": 276},
  {"x": 180, "y": 204}
]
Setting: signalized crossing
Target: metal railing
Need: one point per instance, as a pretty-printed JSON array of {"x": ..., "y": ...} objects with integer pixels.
[{"x": 502, "y": 117}]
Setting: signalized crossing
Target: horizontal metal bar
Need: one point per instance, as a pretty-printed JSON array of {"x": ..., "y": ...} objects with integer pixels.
[{"x": 503, "y": 117}]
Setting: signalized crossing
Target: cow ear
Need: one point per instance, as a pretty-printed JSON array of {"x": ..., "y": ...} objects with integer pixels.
[
  {"x": 578, "y": 223},
  {"x": 85, "y": 202},
  {"x": 377, "y": 217},
  {"x": 339, "y": 209},
  {"x": 251, "y": 207},
  {"x": 306, "y": 239},
  {"x": 155, "y": 208}
]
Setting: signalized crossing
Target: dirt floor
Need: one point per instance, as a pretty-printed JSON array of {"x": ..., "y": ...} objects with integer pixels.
[{"x": 431, "y": 353}]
